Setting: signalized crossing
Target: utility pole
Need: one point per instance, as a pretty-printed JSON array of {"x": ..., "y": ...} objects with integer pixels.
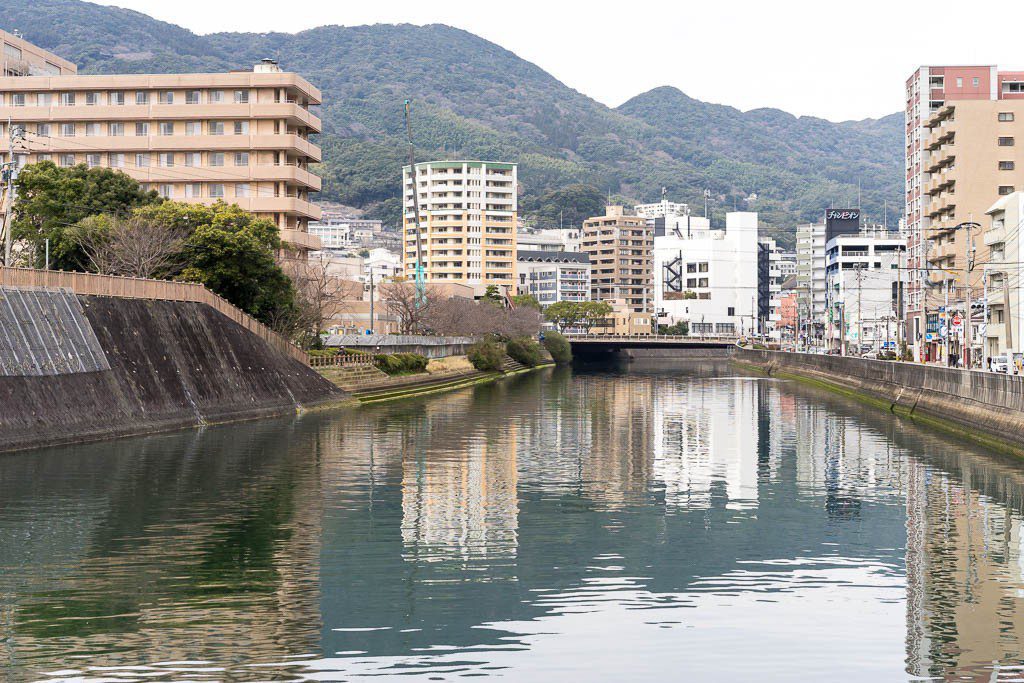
[
  {"x": 9, "y": 174},
  {"x": 373, "y": 329},
  {"x": 420, "y": 284}
]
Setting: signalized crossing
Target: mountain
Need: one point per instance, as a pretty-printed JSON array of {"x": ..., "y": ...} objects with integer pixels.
[{"x": 474, "y": 99}]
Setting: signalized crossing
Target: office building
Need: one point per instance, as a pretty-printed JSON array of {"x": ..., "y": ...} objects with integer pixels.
[
  {"x": 241, "y": 137},
  {"x": 467, "y": 232},
  {"x": 707, "y": 277},
  {"x": 863, "y": 276},
  {"x": 619, "y": 246},
  {"x": 963, "y": 135},
  {"x": 661, "y": 209},
  {"x": 339, "y": 232}
]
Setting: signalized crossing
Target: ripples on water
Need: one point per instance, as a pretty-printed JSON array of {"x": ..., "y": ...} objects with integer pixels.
[{"x": 658, "y": 524}]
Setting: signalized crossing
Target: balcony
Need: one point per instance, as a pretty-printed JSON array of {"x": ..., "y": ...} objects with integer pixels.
[
  {"x": 995, "y": 235},
  {"x": 294, "y": 114},
  {"x": 300, "y": 240}
]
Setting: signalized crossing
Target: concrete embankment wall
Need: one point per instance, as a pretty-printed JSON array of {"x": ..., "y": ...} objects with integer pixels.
[
  {"x": 982, "y": 405},
  {"x": 695, "y": 353},
  {"x": 172, "y": 364}
]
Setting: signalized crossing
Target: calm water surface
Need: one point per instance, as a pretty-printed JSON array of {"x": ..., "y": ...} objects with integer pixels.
[{"x": 652, "y": 524}]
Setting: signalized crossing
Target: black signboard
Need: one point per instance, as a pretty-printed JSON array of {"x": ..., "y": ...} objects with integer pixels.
[{"x": 841, "y": 222}]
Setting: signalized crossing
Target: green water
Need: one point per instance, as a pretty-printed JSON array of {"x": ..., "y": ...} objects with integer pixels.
[{"x": 653, "y": 524}]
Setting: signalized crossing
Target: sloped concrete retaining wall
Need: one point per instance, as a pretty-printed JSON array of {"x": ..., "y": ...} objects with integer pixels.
[
  {"x": 172, "y": 365},
  {"x": 982, "y": 405}
]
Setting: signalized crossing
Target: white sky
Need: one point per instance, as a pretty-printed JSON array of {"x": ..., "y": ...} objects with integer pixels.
[{"x": 839, "y": 61}]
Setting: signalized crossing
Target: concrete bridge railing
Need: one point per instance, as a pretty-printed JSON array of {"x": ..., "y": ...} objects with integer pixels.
[{"x": 90, "y": 284}]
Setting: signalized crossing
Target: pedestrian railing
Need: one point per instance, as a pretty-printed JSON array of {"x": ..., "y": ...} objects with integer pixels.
[
  {"x": 341, "y": 360},
  {"x": 90, "y": 284}
]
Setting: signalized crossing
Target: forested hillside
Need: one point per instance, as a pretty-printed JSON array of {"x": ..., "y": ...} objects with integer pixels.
[{"x": 473, "y": 98}]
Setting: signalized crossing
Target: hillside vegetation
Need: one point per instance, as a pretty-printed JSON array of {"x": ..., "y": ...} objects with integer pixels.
[{"x": 474, "y": 99}]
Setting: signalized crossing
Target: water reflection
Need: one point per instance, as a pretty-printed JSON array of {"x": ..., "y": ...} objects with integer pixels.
[{"x": 658, "y": 523}]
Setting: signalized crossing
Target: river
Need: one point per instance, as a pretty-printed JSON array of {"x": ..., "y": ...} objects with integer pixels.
[{"x": 652, "y": 523}]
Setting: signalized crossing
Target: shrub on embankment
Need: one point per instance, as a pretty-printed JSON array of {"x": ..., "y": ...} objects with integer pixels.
[
  {"x": 558, "y": 346},
  {"x": 487, "y": 355},
  {"x": 400, "y": 363},
  {"x": 524, "y": 350}
]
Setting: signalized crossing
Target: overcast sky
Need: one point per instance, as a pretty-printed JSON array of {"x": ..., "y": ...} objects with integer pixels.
[{"x": 835, "y": 60}]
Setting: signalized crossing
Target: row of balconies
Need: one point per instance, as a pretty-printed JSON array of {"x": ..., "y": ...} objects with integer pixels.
[
  {"x": 294, "y": 114},
  {"x": 288, "y": 144}
]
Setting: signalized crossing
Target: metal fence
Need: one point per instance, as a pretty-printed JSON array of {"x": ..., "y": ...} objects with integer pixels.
[
  {"x": 90, "y": 284},
  {"x": 342, "y": 360}
]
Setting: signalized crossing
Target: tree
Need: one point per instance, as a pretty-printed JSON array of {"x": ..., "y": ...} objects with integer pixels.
[
  {"x": 232, "y": 253},
  {"x": 52, "y": 200},
  {"x": 570, "y": 205},
  {"x": 681, "y": 328},
  {"x": 492, "y": 294},
  {"x": 133, "y": 247},
  {"x": 526, "y": 301},
  {"x": 402, "y": 300},
  {"x": 319, "y": 296},
  {"x": 585, "y": 314}
]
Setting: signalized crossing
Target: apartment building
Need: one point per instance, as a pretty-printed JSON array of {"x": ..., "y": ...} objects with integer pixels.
[
  {"x": 810, "y": 281},
  {"x": 468, "y": 214},
  {"x": 339, "y": 232},
  {"x": 963, "y": 142},
  {"x": 708, "y": 277},
  {"x": 769, "y": 288},
  {"x": 553, "y": 276},
  {"x": 1004, "y": 332},
  {"x": 620, "y": 247},
  {"x": 241, "y": 137},
  {"x": 661, "y": 209}
]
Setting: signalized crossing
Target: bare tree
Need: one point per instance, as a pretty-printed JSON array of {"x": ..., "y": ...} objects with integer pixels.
[
  {"x": 459, "y": 316},
  {"x": 401, "y": 300},
  {"x": 320, "y": 294},
  {"x": 132, "y": 246}
]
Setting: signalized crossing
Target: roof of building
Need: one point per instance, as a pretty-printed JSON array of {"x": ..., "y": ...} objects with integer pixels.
[{"x": 552, "y": 256}]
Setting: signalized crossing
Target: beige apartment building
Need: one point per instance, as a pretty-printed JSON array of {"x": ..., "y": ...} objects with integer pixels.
[
  {"x": 241, "y": 137},
  {"x": 467, "y": 231},
  {"x": 620, "y": 250}
]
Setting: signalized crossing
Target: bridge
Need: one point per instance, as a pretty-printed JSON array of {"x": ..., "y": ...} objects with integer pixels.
[{"x": 607, "y": 343}]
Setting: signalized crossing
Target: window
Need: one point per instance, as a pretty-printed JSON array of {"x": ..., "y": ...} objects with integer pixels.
[
  {"x": 215, "y": 96},
  {"x": 43, "y": 129},
  {"x": 216, "y": 158},
  {"x": 142, "y": 128},
  {"x": 116, "y": 97},
  {"x": 1006, "y": 116},
  {"x": 165, "y": 190},
  {"x": 731, "y": 310},
  {"x": 142, "y": 97},
  {"x": 67, "y": 130},
  {"x": 216, "y": 128},
  {"x": 192, "y": 97},
  {"x": 92, "y": 160},
  {"x": 194, "y": 190},
  {"x": 959, "y": 82},
  {"x": 193, "y": 128},
  {"x": 115, "y": 129},
  {"x": 92, "y": 99},
  {"x": 216, "y": 190},
  {"x": 241, "y": 97},
  {"x": 241, "y": 158},
  {"x": 1006, "y": 142},
  {"x": 691, "y": 282},
  {"x": 44, "y": 99},
  {"x": 1005, "y": 189},
  {"x": 975, "y": 82},
  {"x": 116, "y": 160},
  {"x": 166, "y": 128},
  {"x": 141, "y": 161},
  {"x": 691, "y": 267},
  {"x": 67, "y": 99},
  {"x": 1013, "y": 86},
  {"x": 165, "y": 97},
  {"x": 18, "y": 99},
  {"x": 241, "y": 127},
  {"x": 92, "y": 129},
  {"x": 1006, "y": 165},
  {"x": 44, "y": 157},
  {"x": 242, "y": 190},
  {"x": 702, "y": 282},
  {"x": 193, "y": 159},
  {"x": 166, "y": 159},
  {"x": 702, "y": 267},
  {"x": 67, "y": 160}
]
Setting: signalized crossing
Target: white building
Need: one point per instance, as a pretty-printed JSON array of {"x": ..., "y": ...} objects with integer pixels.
[
  {"x": 549, "y": 239},
  {"x": 553, "y": 276},
  {"x": 863, "y": 275},
  {"x": 810, "y": 282},
  {"x": 383, "y": 265},
  {"x": 707, "y": 277},
  {"x": 1004, "y": 328},
  {"x": 338, "y": 232},
  {"x": 661, "y": 209},
  {"x": 787, "y": 265}
]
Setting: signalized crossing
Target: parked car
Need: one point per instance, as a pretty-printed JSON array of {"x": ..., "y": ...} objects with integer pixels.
[{"x": 1000, "y": 364}]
